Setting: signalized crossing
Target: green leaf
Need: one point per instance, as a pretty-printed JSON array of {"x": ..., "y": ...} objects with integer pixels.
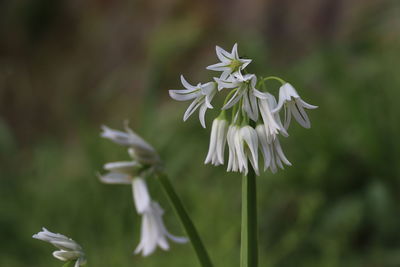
[{"x": 187, "y": 223}]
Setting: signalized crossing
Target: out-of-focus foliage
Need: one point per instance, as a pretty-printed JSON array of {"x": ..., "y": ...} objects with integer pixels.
[{"x": 66, "y": 67}]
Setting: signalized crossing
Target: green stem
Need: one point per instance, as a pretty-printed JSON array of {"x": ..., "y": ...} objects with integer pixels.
[
  {"x": 249, "y": 240},
  {"x": 274, "y": 78},
  {"x": 187, "y": 223}
]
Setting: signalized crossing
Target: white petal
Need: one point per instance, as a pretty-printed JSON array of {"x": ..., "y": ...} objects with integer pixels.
[
  {"x": 221, "y": 66},
  {"x": 223, "y": 55},
  {"x": 222, "y": 129},
  {"x": 234, "y": 99},
  {"x": 193, "y": 107},
  {"x": 249, "y": 135},
  {"x": 115, "y": 178},
  {"x": 177, "y": 239},
  {"x": 259, "y": 94},
  {"x": 245, "y": 62},
  {"x": 66, "y": 255},
  {"x": 299, "y": 115},
  {"x": 305, "y": 104},
  {"x": 67, "y": 244},
  {"x": 186, "y": 84},
  {"x": 265, "y": 147},
  {"x": 224, "y": 75},
  {"x": 280, "y": 153},
  {"x": 234, "y": 52},
  {"x": 122, "y": 166},
  {"x": 202, "y": 114},
  {"x": 184, "y": 95},
  {"x": 213, "y": 140},
  {"x": 141, "y": 195}
]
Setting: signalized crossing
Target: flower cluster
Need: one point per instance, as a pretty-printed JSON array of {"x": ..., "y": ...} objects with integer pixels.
[
  {"x": 255, "y": 123},
  {"x": 69, "y": 250},
  {"x": 145, "y": 162}
]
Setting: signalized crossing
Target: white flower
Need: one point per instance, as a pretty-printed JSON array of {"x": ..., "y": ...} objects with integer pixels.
[
  {"x": 247, "y": 148},
  {"x": 122, "y": 173},
  {"x": 290, "y": 99},
  {"x": 244, "y": 86},
  {"x": 217, "y": 142},
  {"x": 139, "y": 149},
  {"x": 153, "y": 231},
  {"x": 202, "y": 95},
  {"x": 243, "y": 146},
  {"x": 69, "y": 249},
  {"x": 230, "y": 62},
  {"x": 271, "y": 150},
  {"x": 233, "y": 163},
  {"x": 272, "y": 122}
]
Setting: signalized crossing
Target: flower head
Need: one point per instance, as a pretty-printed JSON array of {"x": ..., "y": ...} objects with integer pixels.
[
  {"x": 230, "y": 62},
  {"x": 290, "y": 99},
  {"x": 134, "y": 173},
  {"x": 69, "y": 250},
  {"x": 153, "y": 232},
  {"x": 202, "y": 95},
  {"x": 249, "y": 103}
]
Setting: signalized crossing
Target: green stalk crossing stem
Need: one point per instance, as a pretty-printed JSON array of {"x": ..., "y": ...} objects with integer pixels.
[
  {"x": 187, "y": 223},
  {"x": 249, "y": 239}
]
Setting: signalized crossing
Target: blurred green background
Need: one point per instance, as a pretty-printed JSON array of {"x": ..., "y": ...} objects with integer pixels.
[{"x": 67, "y": 67}]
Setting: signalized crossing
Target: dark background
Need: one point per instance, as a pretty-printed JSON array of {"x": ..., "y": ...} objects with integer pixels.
[{"x": 67, "y": 67}]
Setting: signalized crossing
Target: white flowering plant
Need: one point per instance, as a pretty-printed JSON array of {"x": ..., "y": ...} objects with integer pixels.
[
  {"x": 250, "y": 123},
  {"x": 251, "y": 120}
]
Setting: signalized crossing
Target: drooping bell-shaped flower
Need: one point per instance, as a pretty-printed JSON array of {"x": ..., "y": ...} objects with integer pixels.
[
  {"x": 294, "y": 105},
  {"x": 271, "y": 150},
  {"x": 69, "y": 250},
  {"x": 216, "y": 148},
  {"x": 246, "y": 144},
  {"x": 153, "y": 231},
  {"x": 233, "y": 162}
]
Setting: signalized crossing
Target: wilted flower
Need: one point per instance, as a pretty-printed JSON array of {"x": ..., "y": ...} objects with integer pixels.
[
  {"x": 202, "y": 95},
  {"x": 217, "y": 142},
  {"x": 293, "y": 103},
  {"x": 230, "y": 62},
  {"x": 69, "y": 249},
  {"x": 153, "y": 232}
]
